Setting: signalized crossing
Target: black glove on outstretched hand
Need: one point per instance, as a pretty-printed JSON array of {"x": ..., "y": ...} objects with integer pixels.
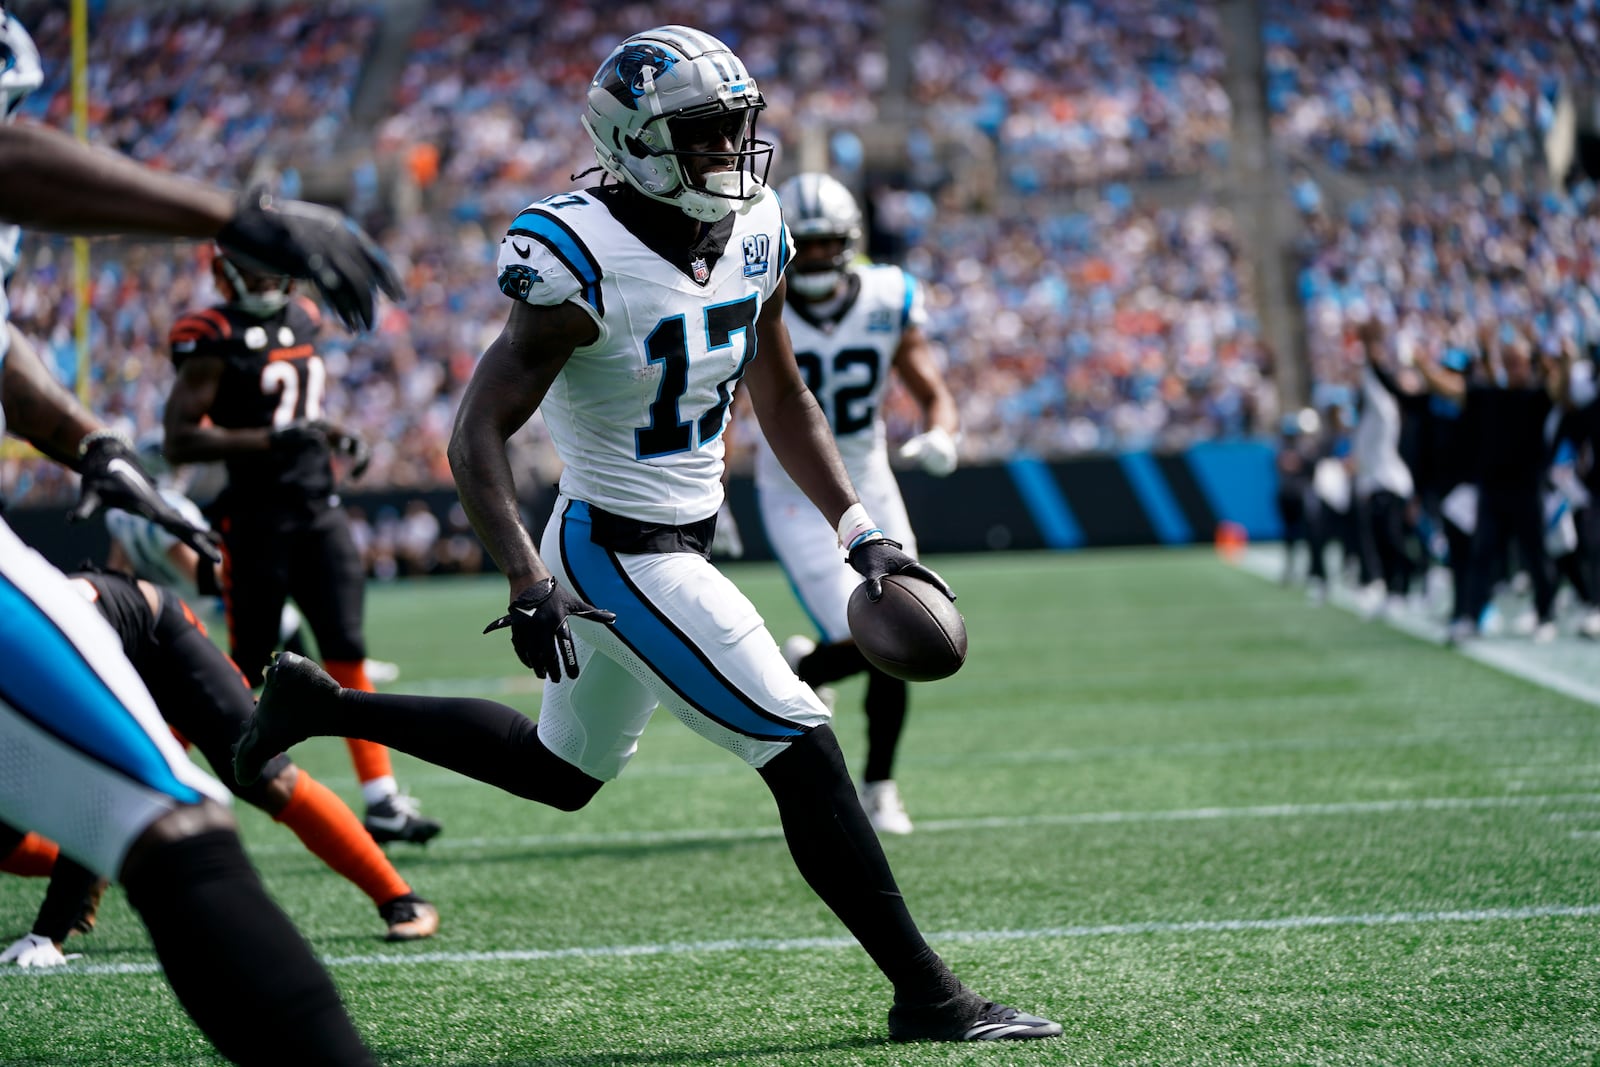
[
  {"x": 874, "y": 560},
  {"x": 539, "y": 629},
  {"x": 113, "y": 478},
  {"x": 310, "y": 241}
]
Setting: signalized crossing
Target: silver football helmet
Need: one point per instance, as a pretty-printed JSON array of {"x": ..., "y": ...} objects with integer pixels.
[
  {"x": 645, "y": 93},
  {"x": 20, "y": 70},
  {"x": 817, "y": 207}
]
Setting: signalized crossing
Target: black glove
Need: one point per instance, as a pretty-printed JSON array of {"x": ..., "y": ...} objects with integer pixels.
[
  {"x": 875, "y": 559},
  {"x": 311, "y": 241},
  {"x": 113, "y": 478},
  {"x": 353, "y": 447},
  {"x": 301, "y": 433},
  {"x": 539, "y": 630}
]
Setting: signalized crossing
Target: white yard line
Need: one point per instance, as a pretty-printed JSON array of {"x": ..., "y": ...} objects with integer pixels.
[{"x": 800, "y": 944}]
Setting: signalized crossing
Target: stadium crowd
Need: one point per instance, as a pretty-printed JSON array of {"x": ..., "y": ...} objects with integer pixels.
[
  {"x": 1111, "y": 324},
  {"x": 1377, "y": 83}
]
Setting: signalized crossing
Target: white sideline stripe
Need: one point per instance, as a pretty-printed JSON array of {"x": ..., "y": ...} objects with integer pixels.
[
  {"x": 801, "y": 944},
  {"x": 1508, "y": 658},
  {"x": 1006, "y": 822}
]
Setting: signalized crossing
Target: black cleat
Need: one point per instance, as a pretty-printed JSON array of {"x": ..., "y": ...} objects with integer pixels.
[
  {"x": 966, "y": 1017},
  {"x": 293, "y": 686},
  {"x": 409, "y": 918},
  {"x": 396, "y": 818}
]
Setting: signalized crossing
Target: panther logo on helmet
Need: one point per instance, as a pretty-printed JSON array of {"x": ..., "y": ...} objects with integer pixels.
[
  {"x": 644, "y": 94},
  {"x": 627, "y": 79}
]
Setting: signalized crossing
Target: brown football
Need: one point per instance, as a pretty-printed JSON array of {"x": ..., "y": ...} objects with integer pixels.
[{"x": 912, "y": 632}]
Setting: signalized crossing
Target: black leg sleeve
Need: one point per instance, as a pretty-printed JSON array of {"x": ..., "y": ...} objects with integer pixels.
[
  {"x": 886, "y": 719},
  {"x": 237, "y": 964},
  {"x": 829, "y": 663},
  {"x": 493, "y": 743},
  {"x": 839, "y": 856},
  {"x": 66, "y": 900}
]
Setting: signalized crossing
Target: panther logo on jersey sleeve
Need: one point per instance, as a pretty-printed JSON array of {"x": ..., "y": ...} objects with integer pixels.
[{"x": 544, "y": 262}]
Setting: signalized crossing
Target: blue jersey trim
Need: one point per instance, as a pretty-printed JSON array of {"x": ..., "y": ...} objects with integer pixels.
[
  {"x": 48, "y": 681},
  {"x": 598, "y": 577},
  {"x": 567, "y": 247},
  {"x": 911, "y": 293}
]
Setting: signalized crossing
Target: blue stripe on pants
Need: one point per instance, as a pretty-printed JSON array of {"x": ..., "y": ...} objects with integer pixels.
[
  {"x": 598, "y": 577},
  {"x": 48, "y": 681}
]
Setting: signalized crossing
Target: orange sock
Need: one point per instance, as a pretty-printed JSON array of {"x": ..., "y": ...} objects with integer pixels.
[
  {"x": 371, "y": 761},
  {"x": 34, "y": 857},
  {"x": 335, "y": 836}
]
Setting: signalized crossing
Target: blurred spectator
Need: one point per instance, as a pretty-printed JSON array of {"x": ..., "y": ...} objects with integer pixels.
[
  {"x": 1076, "y": 93},
  {"x": 1372, "y": 83},
  {"x": 416, "y": 539},
  {"x": 1114, "y": 326},
  {"x": 1110, "y": 324}
]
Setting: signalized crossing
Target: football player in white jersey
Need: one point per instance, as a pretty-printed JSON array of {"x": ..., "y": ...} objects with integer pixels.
[
  {"x": 90, "y": 763},
  {"x": 852, "y": 324},
  {"x": 638, "y": 306}
]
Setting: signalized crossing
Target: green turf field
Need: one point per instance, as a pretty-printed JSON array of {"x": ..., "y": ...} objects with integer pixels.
[{"x": 1165, "y": 803}]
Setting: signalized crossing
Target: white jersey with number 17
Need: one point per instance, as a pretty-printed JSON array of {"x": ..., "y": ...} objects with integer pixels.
[{"x": 637, "y": 416}]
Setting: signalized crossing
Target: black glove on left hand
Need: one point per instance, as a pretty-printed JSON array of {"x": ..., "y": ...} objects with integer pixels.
[
  {"x": 540, "y": 633},
  {"x": 113, "y": 478},
  {"x": 353, "y": 447},
  {"x": 875, "y": 560},
  {"x": 318, "y": 243}
]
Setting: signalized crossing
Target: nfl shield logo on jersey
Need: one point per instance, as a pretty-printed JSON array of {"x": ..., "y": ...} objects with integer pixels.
[
  {"x": 701, "y": 271},
  {"x": 755, "y": 255}
]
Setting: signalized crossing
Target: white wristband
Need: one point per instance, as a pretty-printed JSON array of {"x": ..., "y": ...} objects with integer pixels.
[{"x": 855, "y": 526}]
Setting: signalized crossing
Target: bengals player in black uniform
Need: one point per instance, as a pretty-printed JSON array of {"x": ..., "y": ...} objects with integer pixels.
[
  {"x": 205, "y": 700},
  {"x": 249, "y": 392}
]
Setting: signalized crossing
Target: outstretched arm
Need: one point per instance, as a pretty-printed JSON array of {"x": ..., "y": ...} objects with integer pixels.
[
  {"x": 40, "y": 409},
  {"x": 50, "y": 181}
]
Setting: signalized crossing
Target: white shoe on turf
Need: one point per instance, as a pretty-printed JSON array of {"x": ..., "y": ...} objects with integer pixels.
[
  {"x": 884, "y": 808},
  {"x": 796, "y": 648}
]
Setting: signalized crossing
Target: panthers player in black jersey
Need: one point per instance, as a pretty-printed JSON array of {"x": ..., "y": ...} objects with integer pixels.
[{"x": 249, "y": 392}]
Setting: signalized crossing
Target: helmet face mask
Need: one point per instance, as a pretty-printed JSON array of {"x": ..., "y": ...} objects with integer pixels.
[
  {"x": 818, "y": 208},
  {"x": 255, "y": 294},
  {"x": 672, "y": 114}
]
